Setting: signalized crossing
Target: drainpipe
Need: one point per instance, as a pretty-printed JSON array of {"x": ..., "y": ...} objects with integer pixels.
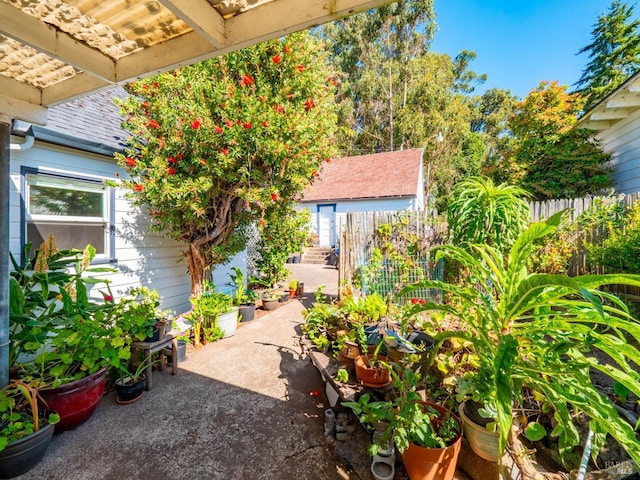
[{"x": 5, "y": 141}]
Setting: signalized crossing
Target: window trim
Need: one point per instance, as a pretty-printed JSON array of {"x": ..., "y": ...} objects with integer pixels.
[{"x": 110, "y": 254}]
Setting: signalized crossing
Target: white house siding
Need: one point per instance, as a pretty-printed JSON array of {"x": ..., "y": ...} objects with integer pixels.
[
  {"x": 623, "y": 141},
  {"x": 368, "y": 205},
  {"x": 143, "y": 257}
]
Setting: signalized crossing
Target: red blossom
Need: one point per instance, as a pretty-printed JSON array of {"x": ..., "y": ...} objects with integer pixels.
[
  {"x": 172, "y": 160},
  {"x": 247, "y": 125},
  {"x": 153, "y": 124},
  {"x": 171, "y": 171},
  {"x": 218, "y": 129},
  {"x": 145, "y": 104},
  {"x": 300, "y": 68},
  {"x": 315, "y": 173},
  {"x": 145, "y": 86},
  {"x": 130, "y": 162},
  {"x": 261, "y": 222},
  {"x": 287, "y": 49},
  {"x": 180, "y": 156},
  {"x": 309, "y": 104},
  {"x": 229, "y": 123},
  {"x": 195, "y": 124},
  {"x": 224, "y": 151},
  {"x": 279, "y": 108},
  {"x": 274, "y": 197},
  {"x": 261, "y": 98},
  {"x": 108, "y": 298},
  {"x": 264, "y": 124},
  {"x": 155, "y": 84},
  {"x": 246, "y": 80},
  {"x": 137, "y": 187},
  {"x": 328, "y": 160},
  {"x": 277, "y": 59}
]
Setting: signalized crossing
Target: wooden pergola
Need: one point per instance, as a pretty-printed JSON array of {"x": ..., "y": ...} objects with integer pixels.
[{"x": 52, "y": 51}]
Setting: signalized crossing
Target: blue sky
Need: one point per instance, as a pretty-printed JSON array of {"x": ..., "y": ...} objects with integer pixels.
[{"x": 519, "y": 43}]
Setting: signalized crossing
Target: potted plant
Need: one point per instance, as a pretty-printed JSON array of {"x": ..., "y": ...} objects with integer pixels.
[
  {"x": 131, "y": 381},
  {"x": 293, "y": 288},
  {"x": 372, "y": 370},
  {"x": 270, "y": 300},
  {"x": 144, "y": 309},
  {"x": 543, "y": 332},
  {"x": 427, "y": 435},
  {"x": 245, "y": 297},
  {"x": 25, "y": 429},
  {"x": 61, "y": 340},
  {"x": 215, "y": 313}
]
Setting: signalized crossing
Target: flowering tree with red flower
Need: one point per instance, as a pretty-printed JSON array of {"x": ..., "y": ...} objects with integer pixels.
[{"x": 219, "y": 145}]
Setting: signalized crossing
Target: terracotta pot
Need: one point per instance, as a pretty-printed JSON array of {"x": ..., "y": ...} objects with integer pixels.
[
  {"x": 423, "y": 463},
  {"x": 351, "y": 350},
  {"x": 483, "y": 442},
  {"x": 75, "y": 401},
  {"x": 372, "y": 376}
]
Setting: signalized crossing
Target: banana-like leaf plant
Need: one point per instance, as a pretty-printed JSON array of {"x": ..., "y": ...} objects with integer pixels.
[{"x": 542, "y": 332}]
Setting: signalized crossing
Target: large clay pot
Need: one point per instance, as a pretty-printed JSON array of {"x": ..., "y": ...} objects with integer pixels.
[
  {"x": 22, "y": 455},
  {"x": 483, "y": 442},
  {"x": 75, "y": 401},
  {"x": 374, "y": 376},
  {"x": 433, "y": 463}
]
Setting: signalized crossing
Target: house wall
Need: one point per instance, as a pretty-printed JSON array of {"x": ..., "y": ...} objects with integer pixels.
[
  {"x": 623, "y": 142},
  {"x": 375, "y": 204},
  {"x": 143, "y": 257}
]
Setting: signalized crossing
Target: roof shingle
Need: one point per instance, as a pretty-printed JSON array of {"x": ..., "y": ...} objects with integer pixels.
[{"x": 389, "y": 174}]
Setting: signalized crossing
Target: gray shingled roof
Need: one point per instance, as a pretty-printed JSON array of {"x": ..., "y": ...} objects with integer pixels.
[
  {"x": 91, "y": 123},
  {"x": 379, "y": 175}
]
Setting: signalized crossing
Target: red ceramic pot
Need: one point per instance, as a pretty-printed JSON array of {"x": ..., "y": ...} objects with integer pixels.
[{"x": 75, "y": 401}]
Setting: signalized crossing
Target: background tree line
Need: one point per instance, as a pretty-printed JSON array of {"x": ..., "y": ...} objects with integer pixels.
[{"x": 394, "y": 93}]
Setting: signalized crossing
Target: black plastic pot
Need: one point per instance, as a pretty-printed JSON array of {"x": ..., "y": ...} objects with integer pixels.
[
  {"x": 128, "y": 391},
  {"x": 247, "y": 312},
  {"x": 21, "y": 456},
  {"x": 158, "y": 333}
]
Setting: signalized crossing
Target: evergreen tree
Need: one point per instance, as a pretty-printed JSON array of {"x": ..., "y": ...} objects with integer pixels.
[{"x": 614, "y": 53}]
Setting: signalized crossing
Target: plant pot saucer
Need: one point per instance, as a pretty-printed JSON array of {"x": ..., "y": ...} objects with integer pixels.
[
  {"x": 376, "y": 385},
  {"x": 127, "y": 402}
]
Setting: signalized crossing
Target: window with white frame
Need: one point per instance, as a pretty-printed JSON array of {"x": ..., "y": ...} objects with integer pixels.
[{"x": 76, "y": 210}]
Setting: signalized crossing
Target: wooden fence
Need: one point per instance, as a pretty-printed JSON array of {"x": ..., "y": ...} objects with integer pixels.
[
  {"x": 358, "y": 231},
  {"x": 357, "y": 238}
]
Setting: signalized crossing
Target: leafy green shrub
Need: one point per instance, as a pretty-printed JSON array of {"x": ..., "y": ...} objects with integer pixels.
[
  {"x": 482, "y": 212},
  {"x": 620, "y": 251}
]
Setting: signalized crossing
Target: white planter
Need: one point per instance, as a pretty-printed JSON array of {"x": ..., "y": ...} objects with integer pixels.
[
  {"x": 483, "y": 442},
  {"x": 228, "y": 322}
]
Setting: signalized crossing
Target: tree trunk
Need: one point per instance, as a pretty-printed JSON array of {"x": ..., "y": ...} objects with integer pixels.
[{"x": 197, "y": 269}]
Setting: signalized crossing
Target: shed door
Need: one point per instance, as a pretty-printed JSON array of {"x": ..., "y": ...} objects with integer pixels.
[{"x": 327, "y": 225}]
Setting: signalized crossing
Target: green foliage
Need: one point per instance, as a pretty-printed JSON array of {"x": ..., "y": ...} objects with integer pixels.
[
  {"x": 537, "y": 331},
  {"x": 619, "y": 252},
  {"x": 20, "y": 415},
  {"x": 614, "y": 53},
  {"x": 546, "y": 155},
  {"x": 57, "y": 332},
  {"x": 284, "y": 231},
  {"x": 221, "y": 144},
  {"x": 243, "y": 294},
  {"x": 482, "y": 212},
  {"x": 399, "y": 256},
  {"x": 409, "y": 420},
  {"x": 342, "y": 376},
  {"x": 365, "y": 309},
  {"x": 204, "y": 314}
]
